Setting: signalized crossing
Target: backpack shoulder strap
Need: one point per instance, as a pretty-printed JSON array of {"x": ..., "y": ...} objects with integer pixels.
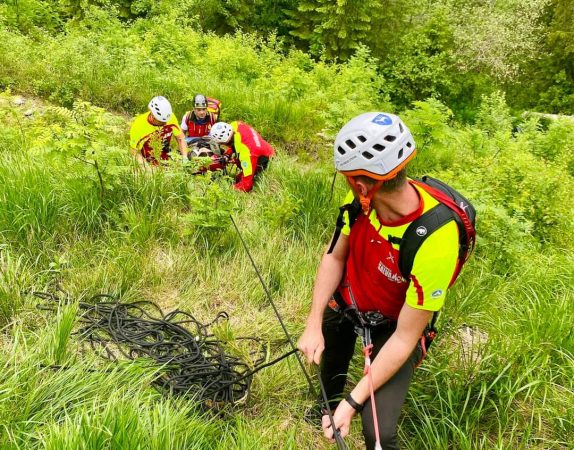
[
  {"x": 354, "y": 209},
  {"x": 418, "y": 231},
  {"x": 452, "y": 206}
]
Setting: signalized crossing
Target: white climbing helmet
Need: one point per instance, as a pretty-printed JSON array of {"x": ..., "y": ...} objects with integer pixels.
[
  {"x": 375, "y": 144},
  {"x": 160, "y": 108},
  {"x": 221, "y": 132},
  {"x": 199, "y": 101}
]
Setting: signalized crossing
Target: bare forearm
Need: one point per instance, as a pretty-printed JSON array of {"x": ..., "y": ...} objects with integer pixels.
[
  {"x": 388, "y": 361},
  {"x": 182, "y": 145},
  {"x": 312, "y": 343},
  {"x": 329, "y": 274},
  {"x": 327, "y": 280}
]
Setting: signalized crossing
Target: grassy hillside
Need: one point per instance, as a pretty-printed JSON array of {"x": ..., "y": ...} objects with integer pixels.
[
  {"x": 499, "y": 375},
  {"x": 283, "y": 93}
]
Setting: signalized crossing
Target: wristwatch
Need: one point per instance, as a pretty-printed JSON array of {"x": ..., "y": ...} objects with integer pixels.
[{"x": 351, "y": 401}]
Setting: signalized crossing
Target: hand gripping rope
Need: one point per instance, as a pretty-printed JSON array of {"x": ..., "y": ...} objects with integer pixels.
[{"x": 341, "y": 445}]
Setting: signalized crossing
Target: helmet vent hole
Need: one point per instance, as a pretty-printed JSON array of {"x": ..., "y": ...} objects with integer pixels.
[
  {"x": 390, "y": 138},
  {"x": 409, "y": 145},
  {"x": 341, "y": 150},
  {"x": 368, "y": 155},
  {"x": 350, "y": 143},
  {"x": 401, "y": 153},
  {"x": 378, "y": 147},
  {"x": 361, "y": 138},
  {"x": 401, "y": 127}
]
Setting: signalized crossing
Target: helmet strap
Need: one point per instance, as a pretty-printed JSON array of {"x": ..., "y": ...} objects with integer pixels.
[{"x": 365, "y": 200}]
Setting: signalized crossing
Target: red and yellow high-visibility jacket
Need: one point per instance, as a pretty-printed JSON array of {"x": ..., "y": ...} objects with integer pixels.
[
  {"x": 248, "y": 143},
  {"x": 372, "y": 271},
  {"x": 153, "y": 140}
]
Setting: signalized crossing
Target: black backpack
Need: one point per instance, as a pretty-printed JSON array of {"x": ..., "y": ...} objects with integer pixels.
[{"x": 452, "y": 206}]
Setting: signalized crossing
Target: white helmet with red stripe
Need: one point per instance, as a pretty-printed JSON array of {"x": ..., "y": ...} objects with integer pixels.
[{"x": 375, "y": 144}]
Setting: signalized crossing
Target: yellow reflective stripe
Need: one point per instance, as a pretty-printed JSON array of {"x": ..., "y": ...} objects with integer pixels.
[
  {"x": 346, "y": 230},
  {"x": 243, "y": 153}
]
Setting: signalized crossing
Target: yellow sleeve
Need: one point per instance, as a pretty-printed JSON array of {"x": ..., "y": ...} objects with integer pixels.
[
  {"x": 433, "y": 268},
  {"x": 133, "y": 139},
  {"x": 176, "y": 130},
  {"x": 136, "y": 133},
  {"x": 346, "y": 230},
  {"x": 244, "y": 155}
]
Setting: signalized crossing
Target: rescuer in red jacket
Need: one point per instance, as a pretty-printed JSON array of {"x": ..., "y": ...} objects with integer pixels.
[
  {"x": 197, "y": 122},
  {"x": 249, "y": 150}
]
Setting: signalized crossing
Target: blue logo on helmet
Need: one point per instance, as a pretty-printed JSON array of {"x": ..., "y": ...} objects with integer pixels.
[{"x": 382, "y": 119}]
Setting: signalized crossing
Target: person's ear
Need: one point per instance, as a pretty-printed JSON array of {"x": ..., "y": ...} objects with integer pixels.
[{"x": 362, "y": 187}]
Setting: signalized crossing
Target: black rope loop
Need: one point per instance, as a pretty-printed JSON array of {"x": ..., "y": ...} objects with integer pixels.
[{"x": 192, "y": 361}]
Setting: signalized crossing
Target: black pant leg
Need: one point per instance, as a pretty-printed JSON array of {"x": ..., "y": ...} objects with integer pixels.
[
  {"x": 262, "y": 164},
  {"x": 340, "y": 339}
]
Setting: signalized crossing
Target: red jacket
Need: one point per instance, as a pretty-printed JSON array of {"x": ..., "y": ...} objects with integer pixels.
[
  {"x": 194, "y": 128},
  {"x": 249, "y": 147}
]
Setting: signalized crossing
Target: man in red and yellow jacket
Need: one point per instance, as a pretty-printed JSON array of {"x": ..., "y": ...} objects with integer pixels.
[
  {"x": 151, "y": 132},
  {"x": 361, "y": 273},
  {"x": 250, "y": 150}
]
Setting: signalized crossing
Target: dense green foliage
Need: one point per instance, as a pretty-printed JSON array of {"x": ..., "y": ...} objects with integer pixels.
[
  {"x": 287, "y": 97},
  {"x": 76, "y": 213},
  {"x": 456, "y": 50}
]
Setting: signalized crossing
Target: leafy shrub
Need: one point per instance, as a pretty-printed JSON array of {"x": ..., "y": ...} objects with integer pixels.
[
  {"x": 211, "y": 204},
  {"x": 557, "y": 143},
  {"x": 494, "y": 115},
  {"x": 435, "y": 140},
  {"x": 285, "y": 97}
]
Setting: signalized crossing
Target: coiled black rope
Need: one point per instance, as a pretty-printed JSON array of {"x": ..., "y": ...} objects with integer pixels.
[{"x": 191, "y": 360}]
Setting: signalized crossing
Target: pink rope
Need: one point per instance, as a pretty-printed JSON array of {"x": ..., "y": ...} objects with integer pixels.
[{"x": 367, "y": 351}]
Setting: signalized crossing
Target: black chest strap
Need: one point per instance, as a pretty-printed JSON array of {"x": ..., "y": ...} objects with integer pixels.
[{"x": 353, "y": 209}]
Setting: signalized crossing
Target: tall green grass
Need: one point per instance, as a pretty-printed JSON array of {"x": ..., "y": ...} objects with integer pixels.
[
  {"x": 286, "y": 97},
  {"x": 166, "y": 237}
]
